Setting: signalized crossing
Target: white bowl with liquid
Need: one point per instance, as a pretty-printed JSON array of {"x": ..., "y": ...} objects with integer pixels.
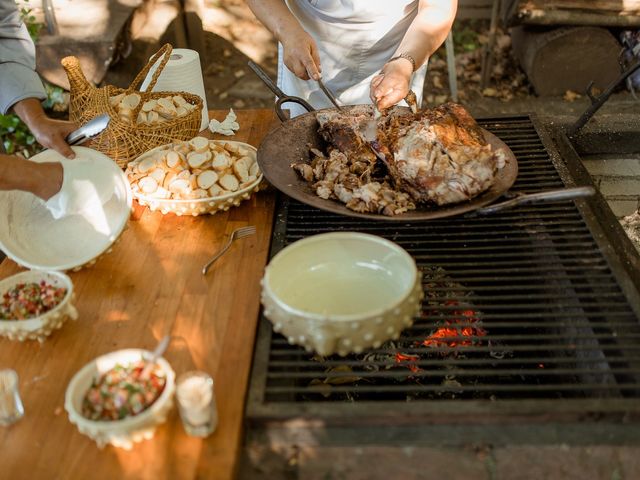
[{"x": 341, "y": 292}]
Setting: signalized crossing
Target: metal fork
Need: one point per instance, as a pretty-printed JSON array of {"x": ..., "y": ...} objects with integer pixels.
[{"x": 235, "y": 235}]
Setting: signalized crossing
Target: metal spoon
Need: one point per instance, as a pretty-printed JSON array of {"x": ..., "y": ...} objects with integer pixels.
[{"x": 160, "y": 349}]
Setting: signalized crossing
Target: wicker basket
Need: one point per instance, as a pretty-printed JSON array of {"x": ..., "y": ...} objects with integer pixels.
[{"x": 124, "y": 141}]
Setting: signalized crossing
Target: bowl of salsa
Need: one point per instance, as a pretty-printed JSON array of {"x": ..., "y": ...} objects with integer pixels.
[
  {"x": 114, "y": 400},
  {"x": 35, "y": 303}
]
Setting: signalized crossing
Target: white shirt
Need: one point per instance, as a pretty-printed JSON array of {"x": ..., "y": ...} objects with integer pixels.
[{"x": 355, "y": 38}]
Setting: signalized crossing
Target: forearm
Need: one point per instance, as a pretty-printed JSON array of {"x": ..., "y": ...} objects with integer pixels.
[
  {"x": 41, "y": 179},
  {"x": 275, "y": 15},
  {"x": 428, "y": 30},
  {"x": 30, "y": 112},
  {"x": 49, "y": 133}
]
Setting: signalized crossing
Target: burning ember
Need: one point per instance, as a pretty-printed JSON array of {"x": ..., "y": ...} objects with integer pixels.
[
  {"x": 453, "y": 324},
  {"x": 457, "y": 332},
  {"x": 409, "y": 360}
]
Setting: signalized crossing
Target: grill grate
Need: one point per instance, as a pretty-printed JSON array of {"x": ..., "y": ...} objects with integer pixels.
[{"x": 557, "y": 323}]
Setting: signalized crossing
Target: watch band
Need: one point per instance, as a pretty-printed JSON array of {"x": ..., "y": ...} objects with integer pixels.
[{"x": 406, "y": 56}]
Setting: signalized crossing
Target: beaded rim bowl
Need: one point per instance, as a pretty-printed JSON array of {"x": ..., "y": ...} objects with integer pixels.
[
  {"x": 40, "y": 327},
  {"x": 34, "y": 239},
  {"x": 200, "y": 206},
  {"x": 290, "y": 280},
  {"x": 128, "y": 431}
]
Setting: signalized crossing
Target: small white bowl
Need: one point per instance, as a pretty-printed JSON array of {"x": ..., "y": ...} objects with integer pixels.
[
  {"x": 40, "y": 327},
  {"x": 119, "y": 433},
  {"x": 200, "y": 206},
  {"x": 341, "y": 292}
]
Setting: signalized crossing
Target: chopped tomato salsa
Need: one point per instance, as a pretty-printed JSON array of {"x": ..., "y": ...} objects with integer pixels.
[
  {"x": 29, "y": 300},
  {"x": 122, "y": 392}
]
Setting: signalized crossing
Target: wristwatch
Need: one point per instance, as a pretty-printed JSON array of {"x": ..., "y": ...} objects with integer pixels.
[{"x": 406, "y": 56}]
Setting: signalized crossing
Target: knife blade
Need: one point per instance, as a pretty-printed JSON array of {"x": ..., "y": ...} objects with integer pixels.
[
  {"x": 89, "y": 130},
  {"x": 328, "y": 93}
]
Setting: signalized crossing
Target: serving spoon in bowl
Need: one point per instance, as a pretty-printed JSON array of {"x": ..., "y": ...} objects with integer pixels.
[{"x": 157, "y": 353}]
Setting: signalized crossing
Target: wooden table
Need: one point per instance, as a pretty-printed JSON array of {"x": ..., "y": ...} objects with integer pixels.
[{"x": 149, "y": 285}]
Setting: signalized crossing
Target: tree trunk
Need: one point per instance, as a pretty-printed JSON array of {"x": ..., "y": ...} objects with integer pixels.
[{"x": 567, "y": 58}]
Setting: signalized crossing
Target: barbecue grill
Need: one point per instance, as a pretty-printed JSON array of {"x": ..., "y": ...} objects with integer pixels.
[{"x": 529, "y": 328}]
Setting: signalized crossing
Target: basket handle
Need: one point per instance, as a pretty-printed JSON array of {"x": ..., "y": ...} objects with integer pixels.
[{"x": 166, "y": 51}]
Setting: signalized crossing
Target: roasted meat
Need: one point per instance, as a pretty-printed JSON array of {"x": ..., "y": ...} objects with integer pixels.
[
  {"x": 348, "y": 179},
  {"x": 438, "y": 156},
  {"x": 342, "y": 132}
]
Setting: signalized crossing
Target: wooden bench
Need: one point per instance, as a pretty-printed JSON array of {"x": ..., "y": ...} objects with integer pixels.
[
  {"x": 603, "y": 13},
  {"x": 580, "y": 50}
]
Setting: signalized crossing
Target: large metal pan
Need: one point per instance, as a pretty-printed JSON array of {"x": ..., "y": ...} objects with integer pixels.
[{"x": 289, "y": 143}]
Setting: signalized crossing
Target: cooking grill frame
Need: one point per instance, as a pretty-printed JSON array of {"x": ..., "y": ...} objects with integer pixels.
[{"x": 619, "y": 257}]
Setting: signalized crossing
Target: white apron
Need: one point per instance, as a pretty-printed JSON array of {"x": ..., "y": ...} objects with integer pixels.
[{"x": 355, "y": 39}]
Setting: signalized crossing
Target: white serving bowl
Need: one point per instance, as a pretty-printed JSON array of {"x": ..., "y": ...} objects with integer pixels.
[
  {"x": 119, "y": 433},
  {"x": 341, "y": 292},
  {"x": 40, "y": 327},
  {"x": 200, "y": 206},
  {"x": 34, "y": 239}
]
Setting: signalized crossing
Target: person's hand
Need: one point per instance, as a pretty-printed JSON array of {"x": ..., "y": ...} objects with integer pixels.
[
  {"x": 52, "y": 133},
  {"x": 301, "y": 54},
  {"x": 42, "y": 179},
  {"x": 392, "y": 84},
  {"x": 48, "y": 132},
  {"x": 47, "y": 179}
]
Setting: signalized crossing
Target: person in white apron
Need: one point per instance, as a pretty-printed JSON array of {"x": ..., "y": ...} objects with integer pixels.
[{"x": 364, "y": 50}]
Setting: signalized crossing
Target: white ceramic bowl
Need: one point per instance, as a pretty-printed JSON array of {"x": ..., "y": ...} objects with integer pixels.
[
  {"x": 34, "y": 239},
  {"x": 201, "y": 206},
  {"x": 341, "y": 292},
  {"x": 40, "y": 327},
  {"x": 119, "y": 433}
]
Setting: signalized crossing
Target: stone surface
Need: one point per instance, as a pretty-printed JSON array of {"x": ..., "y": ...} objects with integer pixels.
[
  {"x": 621, "y": 186},
  {"x": 557, "y": 462},
  {"x": 618, "y": 178},
  {"x": 622, "y": 208},
  {"x": 528, "y": 462},
  {"x": 613, "y": 166}
]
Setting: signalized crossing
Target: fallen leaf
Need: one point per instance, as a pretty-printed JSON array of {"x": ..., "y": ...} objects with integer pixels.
[
  {"x": 320, "y": 387},
  {"x": 226, "y": 53},
  {"x": 239, "y": 103},
  {"x": 437, "y": 82},
  {"x": 440, "y": 99},
  {"x": 571, "y": 96},
  {"x": 223, "y": 95},
  {"x": 239, "y": 73},
  {"x": 503, "y": 41},
  {"x": 341, "y": 380},
  {"x": 490, "y": 92}
]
